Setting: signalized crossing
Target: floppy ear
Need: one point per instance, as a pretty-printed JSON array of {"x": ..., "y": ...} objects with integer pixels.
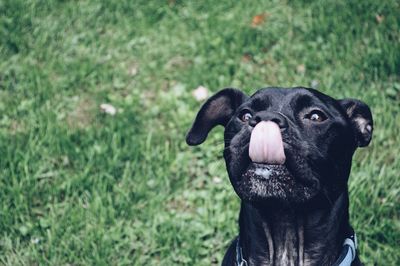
[
  {"x": 361, "y": 120},
  {"x": 217, "y": 110}
]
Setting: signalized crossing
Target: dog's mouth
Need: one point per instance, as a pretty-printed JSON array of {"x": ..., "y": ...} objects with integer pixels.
[{"x": 261, "y": 182}]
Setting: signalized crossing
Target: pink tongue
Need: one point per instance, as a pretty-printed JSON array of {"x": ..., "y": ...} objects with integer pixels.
[{"x": 266, "y": 144}]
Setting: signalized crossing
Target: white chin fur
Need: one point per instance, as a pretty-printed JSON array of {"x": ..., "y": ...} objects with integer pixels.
[{"x": 264, "y": 172}]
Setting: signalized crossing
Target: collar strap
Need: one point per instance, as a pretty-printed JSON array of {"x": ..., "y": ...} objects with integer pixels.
[
  {"x": 240, "y": 261},
  {"x": 348, "y": 253},
  {"x": 346, "y": 257}
]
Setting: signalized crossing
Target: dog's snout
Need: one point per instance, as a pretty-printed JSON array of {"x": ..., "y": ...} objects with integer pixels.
[{"x": 275, "y": 117}]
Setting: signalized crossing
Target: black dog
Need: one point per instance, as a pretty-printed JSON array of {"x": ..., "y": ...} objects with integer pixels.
[{"x": 288, "y": 153}]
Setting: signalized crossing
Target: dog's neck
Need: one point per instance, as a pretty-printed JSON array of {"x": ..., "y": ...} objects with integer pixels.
[{"x": 277, "y": 235}]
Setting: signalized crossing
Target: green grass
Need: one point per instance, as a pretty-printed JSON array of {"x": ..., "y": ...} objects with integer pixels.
[{"x": 79, "y": 187}]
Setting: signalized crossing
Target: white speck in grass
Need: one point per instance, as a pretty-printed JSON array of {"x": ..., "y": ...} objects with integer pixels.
[
  {"x": 133, "y": 70},
  {"x": 314, "y": 84},
  {"x": 301, "y": 69},
  {"x": 151, "y": 183},
  {"x": 35, "y": 240},
  {"x": 379, "y": 18},
  {"x": 201, "y": 93},
  {"x": 217, "y": 180},
  {"x": 108, "y": 109}
]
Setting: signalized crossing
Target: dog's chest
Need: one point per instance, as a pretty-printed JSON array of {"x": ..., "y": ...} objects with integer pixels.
[
  {"x": 285, "y": 241},
  {"x": 288, "y": 244}
]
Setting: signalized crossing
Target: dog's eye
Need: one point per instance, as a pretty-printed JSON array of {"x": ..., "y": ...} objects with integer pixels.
[
  {"x": 246, "y": 117},
  {"x": 316, "y": 116}
]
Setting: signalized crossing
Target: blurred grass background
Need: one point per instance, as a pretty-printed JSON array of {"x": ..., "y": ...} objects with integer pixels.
[{"x": 80, "y": 187}]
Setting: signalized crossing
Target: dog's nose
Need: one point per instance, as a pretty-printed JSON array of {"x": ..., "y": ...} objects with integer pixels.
[{"x": 275, "y": 117}]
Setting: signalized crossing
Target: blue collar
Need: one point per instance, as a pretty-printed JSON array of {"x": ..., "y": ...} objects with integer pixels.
[{"x": 346, "y": 256}]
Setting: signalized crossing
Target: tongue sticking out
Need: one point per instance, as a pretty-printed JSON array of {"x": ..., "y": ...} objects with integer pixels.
[{"x": 266, "y": 144}]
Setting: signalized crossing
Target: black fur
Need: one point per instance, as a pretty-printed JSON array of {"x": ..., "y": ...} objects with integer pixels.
[{"x": 297, "y": 214}]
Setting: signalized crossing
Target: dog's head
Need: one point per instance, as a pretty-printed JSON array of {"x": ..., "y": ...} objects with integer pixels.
[{"x": 288, "y": 145}]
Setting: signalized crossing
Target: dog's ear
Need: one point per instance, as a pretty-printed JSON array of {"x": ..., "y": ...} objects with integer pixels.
[
  {"x": 361, "y": 120},
  {"x": 217, "y": 110}
]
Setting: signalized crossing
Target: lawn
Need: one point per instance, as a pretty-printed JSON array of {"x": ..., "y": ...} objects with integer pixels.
[{"x": 79, "y": 186}]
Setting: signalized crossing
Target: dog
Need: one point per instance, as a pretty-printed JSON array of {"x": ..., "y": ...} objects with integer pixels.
[{"x": 288, "y": 154}]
